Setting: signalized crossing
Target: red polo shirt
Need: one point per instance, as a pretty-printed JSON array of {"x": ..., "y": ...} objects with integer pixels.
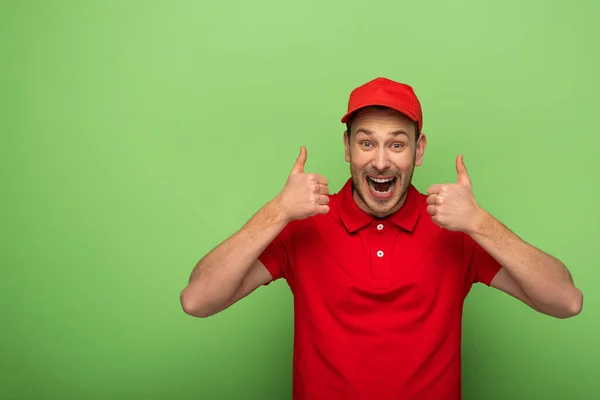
[{"x": 377, "y": 302}]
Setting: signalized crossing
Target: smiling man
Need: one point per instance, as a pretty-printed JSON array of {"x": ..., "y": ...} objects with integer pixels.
[{"x": 379, "y": 271}]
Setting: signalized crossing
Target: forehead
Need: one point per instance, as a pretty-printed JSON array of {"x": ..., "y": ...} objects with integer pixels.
[{"x": 382, "y": 119}]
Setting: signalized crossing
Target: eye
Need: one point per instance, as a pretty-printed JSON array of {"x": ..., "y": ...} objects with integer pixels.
[
  {"x": 365, "y": 144},
  {"x": 398, "y": 145}
]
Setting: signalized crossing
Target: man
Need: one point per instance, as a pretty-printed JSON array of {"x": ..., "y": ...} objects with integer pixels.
[{"x": 379, "y": 271}]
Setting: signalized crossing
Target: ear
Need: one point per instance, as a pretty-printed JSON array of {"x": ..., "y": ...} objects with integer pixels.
[
  {"x": 346, "y": 146},
  {"x": 421, "y": 144}
]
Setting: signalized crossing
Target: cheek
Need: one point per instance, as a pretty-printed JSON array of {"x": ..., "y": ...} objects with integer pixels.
[
  {"x": 403, "y": 161},
  {"x": 358, "y": 162}
]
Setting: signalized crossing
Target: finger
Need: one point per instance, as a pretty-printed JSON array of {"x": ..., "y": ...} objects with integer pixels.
[
  {"x": 436, "y": 189},
  {"x": 322, "y": 209},
  {"x": 298, "y": 167},
  {"x": 323, "y": 189},
  {"x": 461, "y": 170},
  {"x": 323, "y": 200},
  {"x": 432, "y": 199},
  {"x": 320, "y": 179},
  {"x": 431, "y": 210}
]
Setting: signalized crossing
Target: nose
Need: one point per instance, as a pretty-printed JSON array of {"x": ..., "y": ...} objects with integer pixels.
[{"x": 382, "y": 160}]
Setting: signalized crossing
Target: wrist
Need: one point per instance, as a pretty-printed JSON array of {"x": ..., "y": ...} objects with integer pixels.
[
  {"x": 276, "y": 211},
  {"x": 480, "y": 219}
]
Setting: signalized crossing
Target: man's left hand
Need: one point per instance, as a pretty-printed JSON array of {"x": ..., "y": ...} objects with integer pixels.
[{"x": 453, "y": 206}]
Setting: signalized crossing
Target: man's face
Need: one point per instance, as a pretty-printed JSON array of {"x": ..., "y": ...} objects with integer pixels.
[{"x": 382, "y": 152}]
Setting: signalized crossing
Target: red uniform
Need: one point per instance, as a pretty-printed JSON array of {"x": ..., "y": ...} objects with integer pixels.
[{"x": 377, "y": 302}]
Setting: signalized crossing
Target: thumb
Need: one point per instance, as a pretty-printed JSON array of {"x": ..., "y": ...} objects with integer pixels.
[
  {"x": 461, "y": 170},
  {"x": 300, "y": 161}
]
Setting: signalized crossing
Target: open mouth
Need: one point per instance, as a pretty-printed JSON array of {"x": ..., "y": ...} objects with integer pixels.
[{"x": 381, "y": 186}]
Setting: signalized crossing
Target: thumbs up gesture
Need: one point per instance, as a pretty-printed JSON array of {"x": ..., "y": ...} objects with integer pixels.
[
  {"x": 453, "y": 206},
  {"x": 304, "y": 195}
]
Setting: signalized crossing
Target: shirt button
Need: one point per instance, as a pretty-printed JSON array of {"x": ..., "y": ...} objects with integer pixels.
[
  {"x": 380, "y": 227},
  {"x": 380, "y": 253}
]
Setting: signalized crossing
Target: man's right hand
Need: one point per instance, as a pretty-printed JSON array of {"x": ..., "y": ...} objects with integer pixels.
[
  {"x": 304, "y": 195},
  {"x": 222, "y": 277}
]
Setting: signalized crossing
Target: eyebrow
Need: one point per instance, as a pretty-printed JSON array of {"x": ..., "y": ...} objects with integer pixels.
[{"x": 368, "y": 132}]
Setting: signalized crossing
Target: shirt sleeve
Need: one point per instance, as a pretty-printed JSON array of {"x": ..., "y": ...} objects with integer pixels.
[
  {"x": 275, "y": 257},
  {"x": 482, "y": 266}
]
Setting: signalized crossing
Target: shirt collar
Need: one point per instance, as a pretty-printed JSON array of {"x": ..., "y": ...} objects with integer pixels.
[{"x": 354, "y": 218}]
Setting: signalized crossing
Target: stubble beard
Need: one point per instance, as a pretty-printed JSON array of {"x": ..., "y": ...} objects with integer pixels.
[{"x": 381, "y": 208}]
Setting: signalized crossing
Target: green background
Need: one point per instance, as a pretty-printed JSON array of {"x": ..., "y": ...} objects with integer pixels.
[{"x": 138, "y": 135}]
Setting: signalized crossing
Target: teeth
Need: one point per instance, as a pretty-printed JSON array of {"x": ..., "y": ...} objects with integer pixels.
[
  {"x": 371, "y": 184},
  {"x": 382, "y": 180}
]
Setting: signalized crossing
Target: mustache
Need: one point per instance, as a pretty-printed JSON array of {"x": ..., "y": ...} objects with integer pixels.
[{"x": 385, "y": 172}]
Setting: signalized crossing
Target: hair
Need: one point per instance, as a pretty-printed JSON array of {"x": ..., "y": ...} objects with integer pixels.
[{"x": 352, "y": 117}]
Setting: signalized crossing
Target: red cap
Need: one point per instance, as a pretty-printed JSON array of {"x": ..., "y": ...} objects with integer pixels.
[{"x": 385, "y": 92}]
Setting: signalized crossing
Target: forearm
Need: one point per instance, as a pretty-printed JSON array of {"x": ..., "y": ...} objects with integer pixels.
[
  {"x": 217, "y": 276},
  {"x": 543, "y": 279}
]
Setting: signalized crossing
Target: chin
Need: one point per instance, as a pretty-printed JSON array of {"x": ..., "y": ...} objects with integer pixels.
[{"x": 382, "y": 210}]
